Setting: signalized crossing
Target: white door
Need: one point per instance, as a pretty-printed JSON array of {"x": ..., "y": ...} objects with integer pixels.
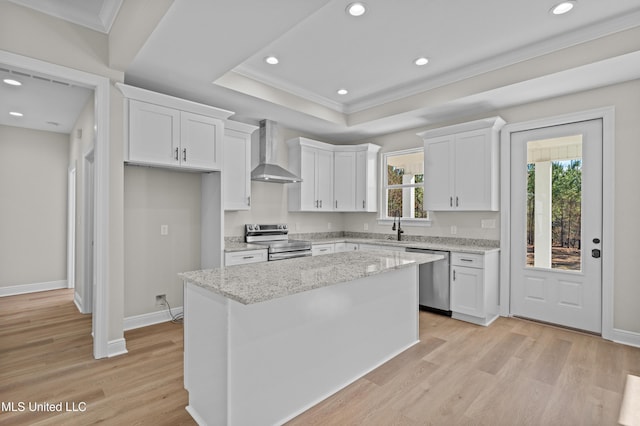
[
  {"x": 556, "y": 224},
  {"x": 324, "y": 179},
  {"x": 89, "y": 290},
  {"x": 344, "y": 181},
  {"x": 154, "y": 133},
  {"x": 200, "y": 142},
  {"x": 438, "y": 173}
]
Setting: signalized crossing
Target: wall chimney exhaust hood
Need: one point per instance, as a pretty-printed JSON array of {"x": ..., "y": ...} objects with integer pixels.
[{"x": 267, "y": 171}]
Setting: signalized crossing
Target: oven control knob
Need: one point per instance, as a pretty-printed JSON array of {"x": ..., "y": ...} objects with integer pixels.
[
  {"x": 250, "y": 227},
  {"x": 256, "y": 227},
  {"x": 284, "y": 227}
]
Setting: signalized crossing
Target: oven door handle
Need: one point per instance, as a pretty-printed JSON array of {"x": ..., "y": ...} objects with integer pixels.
[{"x": 289, "y": 255}]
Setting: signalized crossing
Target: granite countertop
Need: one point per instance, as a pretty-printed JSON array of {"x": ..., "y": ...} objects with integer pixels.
[
  {"x": 462, "y": 248},
  {"x": 473, "y": 247},
  {"x": 259, "y": 282}
]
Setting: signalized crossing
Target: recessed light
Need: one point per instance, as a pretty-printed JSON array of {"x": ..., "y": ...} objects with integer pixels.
[
  {"x": 562, "y": 8},
  {"x": 421, "y": 61},
  {"x": 343, "y": 92},
  {"x": 12, "y": 82},
  {"x": 16, "y": 114},
  {"x": 356, "y": 9},
  {"x": 271, "y": 60}
]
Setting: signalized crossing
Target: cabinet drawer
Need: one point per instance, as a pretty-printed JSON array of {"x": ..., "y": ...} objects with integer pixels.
[
  {"x": 467, "y": 259},
  {"x": 244, "y": 257},
  {"x": 319, "y": 249}
]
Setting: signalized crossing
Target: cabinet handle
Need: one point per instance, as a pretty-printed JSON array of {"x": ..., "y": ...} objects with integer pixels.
[
  {"x": 177, "y": 154},
  {"x": 320, "y": 203},
  {"x": 316, "y": 204},
  {"x": 184, "y": 154},
  {"x": 363, "y": 204},
  {"x": 450, "y": 201},
  {"x": 249, "y": 200},
  {"x": 336, "y": 204},
  {"x": 454, "y": 274},
  {"x": 248, "y": 257},
  {"x": 466, "y": 260},
  {"x": 456, "y": 201}
]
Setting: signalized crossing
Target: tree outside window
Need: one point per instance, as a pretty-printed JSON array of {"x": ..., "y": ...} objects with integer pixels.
[{"x": 404, "y": 184}]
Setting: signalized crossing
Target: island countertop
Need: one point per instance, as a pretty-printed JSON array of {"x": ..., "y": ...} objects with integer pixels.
[{"x": 259, "y": 282}]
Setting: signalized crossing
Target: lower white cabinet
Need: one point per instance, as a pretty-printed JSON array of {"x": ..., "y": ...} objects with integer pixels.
[
  {"x": 474, "y": 287},
  {"x": 342, "y": 247},
  {"x": 319, "y": 249},
  {"x": 380, "y": 247},
  {"x": 244, "y": 257}
]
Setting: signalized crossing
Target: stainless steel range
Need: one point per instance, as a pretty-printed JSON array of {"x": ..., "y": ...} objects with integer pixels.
[{"x": 276, "y": 238}]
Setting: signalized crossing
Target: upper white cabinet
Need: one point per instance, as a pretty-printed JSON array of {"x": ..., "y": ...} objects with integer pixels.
[
  {"x": 367, "y": 178},
  {"x": 334, "y": 177},
  {"x": 236, "y": 170},
  {"x": 165, "y": 131},
  {"x": 461, "y": 166},
  {"x": 344, "y": 178}
]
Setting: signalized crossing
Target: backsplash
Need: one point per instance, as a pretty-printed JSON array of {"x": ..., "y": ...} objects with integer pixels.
[{"x": 380, "y": 236}]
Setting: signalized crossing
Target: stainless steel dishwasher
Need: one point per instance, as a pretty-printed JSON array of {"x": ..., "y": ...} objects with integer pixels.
[{"x": 434, "y": 283}]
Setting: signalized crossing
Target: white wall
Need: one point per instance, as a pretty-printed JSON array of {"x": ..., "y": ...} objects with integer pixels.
[
  {"x": 79, "y": 147},
  {"x": 33, "y": 217},
  {"x": 155, "y": 197}
]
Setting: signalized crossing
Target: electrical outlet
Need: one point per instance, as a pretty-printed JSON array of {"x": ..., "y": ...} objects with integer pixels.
[
  {"x": 164, "y": 229},
  {"x": 454, "y": 230},
  {"x": 366, "y": 226},
  {"x": 488, "y": 223},
  {"x": 161, "y": 299},
  {"x": 329, "y": 225}
]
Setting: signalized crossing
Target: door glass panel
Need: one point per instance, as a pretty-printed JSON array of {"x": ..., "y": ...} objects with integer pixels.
[{"x": 554, "y": 203}]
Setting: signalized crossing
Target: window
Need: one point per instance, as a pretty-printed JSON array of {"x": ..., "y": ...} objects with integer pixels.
[{"x": 403, "y": 182}]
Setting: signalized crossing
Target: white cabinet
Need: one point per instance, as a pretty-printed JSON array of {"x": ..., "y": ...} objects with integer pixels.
[
  {"x": 342, "y": 247},
  {"x": 367, "y": 178},
  {"x": 351, "y": 185},
  {"x": 164, "y": 131},
  {"x": 244, "y": 257},
  {"x": 154, "y": 134},
  {"x": 319, "y": 249},
  {"x": 474, "y": 287},
  {"x": 344, "y": 172},
  {"x": 461, "y": 166},
  {"x": 381, "y": 247},
  {"x": 315, "y": 166},
  {"x": 236, "y": 169}
]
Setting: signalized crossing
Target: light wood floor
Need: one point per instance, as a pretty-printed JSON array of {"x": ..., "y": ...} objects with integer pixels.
[{"x": 512, "y": 373}]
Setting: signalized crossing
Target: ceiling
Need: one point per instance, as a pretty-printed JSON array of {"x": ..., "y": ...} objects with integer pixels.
[
  {"x": 95, "y": 14},
  {"x": 213, "y": 52},
  {"x": 46, "y": 103}
]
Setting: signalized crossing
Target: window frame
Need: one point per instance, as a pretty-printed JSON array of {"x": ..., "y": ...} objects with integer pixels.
[{"x": 385, "y": 187}]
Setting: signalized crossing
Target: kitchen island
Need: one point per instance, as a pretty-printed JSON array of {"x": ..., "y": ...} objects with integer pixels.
[{"x": 266, "y": 341}]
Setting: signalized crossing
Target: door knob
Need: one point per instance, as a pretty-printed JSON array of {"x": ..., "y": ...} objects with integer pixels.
[
  {"x": 596, "y": 241},
  {"x": 595, "y": 253}
]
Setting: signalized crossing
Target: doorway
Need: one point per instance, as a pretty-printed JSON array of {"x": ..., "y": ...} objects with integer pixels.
[
  {"x": 556, "y": 224},
  {"x": 557, "y": 220},
  {"x": 101, "y": 87}
]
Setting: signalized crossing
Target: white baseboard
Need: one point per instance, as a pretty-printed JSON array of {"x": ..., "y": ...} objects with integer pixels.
[
  {"x": 144, "y": 320},
  {"x": 32, "y": 288},
  {"x": 116, "y": 347},
  {"x": 78, "y": 302},
  {"x": 626, "y": 337}
]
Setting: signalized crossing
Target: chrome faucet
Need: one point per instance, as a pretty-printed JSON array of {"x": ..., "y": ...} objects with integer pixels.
[{"x": 400, "y": 230}]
